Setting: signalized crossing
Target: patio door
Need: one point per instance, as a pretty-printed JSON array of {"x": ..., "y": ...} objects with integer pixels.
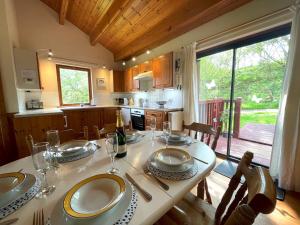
[{"x": 240, "y": 86}]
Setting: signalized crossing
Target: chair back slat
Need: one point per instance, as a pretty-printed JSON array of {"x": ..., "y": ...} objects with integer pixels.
[
  {"x": 29, "y": 142},
  {"x": 260, "y": 198},
  {"x": 206, "y": 131},
  {"x": 70, "y": 134}
]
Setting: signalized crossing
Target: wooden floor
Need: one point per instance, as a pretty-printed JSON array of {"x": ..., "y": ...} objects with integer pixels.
[
  {"x": 262, "y": 133},
  {"x": 262, "y": 153},
  {"x": 287, "y": 212}
]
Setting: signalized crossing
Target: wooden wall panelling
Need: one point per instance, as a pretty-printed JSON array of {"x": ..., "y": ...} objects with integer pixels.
[
  {"x": 135, "y": 83},
  {"x": 118, "y": 77}
]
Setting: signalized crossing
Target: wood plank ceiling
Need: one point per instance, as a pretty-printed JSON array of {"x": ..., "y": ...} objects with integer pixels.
[{"x": 130, "y": 27}]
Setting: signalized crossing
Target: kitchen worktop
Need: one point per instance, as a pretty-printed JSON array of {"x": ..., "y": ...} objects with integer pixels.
[{"x": 53, "y": 111}]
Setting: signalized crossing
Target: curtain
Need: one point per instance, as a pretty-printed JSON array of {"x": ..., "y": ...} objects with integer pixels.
[
  {"x": 285, "y": 158},
  {"x": 190, "y": 85}
]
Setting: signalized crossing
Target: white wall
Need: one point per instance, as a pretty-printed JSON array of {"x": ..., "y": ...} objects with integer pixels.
[
  {"x": 249, "y": 12},
  {"x": 8, "y": 37}
]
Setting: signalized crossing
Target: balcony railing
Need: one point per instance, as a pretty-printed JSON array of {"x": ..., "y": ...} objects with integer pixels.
[{"x": 215, "y": 112}]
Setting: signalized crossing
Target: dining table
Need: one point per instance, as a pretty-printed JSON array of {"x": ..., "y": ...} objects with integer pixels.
[{"x": 147, "y": 212}]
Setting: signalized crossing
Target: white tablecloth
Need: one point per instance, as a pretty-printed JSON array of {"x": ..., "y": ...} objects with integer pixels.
[{"x": 137, "y": 154}]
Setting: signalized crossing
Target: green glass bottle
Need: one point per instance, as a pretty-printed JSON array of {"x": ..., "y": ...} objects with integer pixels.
[{"x": 122, "y": 149}]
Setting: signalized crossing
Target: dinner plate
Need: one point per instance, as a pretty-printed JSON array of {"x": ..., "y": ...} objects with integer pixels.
[
  {"x": 72, "y": 147},
  {"x": 109, "y": 217},
  {"x": 176, "y": 140},
  {"x": 171, "y": 169},
  {"x": 133, "y": 137},
  {"x": 93, "y": 196},
  {"x": 25, "y": 192},
  {"x": 10, "y": 181},
  {"x": 172, "y": 157}
]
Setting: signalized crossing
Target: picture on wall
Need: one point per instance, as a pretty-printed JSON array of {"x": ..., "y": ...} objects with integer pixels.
[{"x": 100, "y": 84}]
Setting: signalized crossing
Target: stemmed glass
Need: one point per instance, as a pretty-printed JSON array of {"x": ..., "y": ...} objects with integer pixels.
[
  {"x": 153, "y": 126},
  {"x": 167, "y": 131},
  {"x": 40, "y": 158},
  {"x": 54, "y": 142},
  {"x": 112, "y": 146}
]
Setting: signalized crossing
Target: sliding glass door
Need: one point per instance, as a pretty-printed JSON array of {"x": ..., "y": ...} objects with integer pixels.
[{"x": 240, "y": 86}]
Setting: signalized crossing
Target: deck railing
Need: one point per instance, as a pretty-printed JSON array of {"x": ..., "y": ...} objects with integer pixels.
[{"x": 213, "y": 111}]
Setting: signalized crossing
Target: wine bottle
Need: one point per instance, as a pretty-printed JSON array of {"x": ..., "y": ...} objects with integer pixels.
[{"x": 122, "y": 148}]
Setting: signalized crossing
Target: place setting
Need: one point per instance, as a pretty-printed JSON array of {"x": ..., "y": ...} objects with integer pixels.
[
  {"x": 105, "y": 198},
  {"x": 71, "y": 150},
  {"x": 133, "y": 136}
]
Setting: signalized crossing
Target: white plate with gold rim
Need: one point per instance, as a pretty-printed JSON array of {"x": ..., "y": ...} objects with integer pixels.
[
  {"x": 94, "y": 196},
  {"x": 10, "y": 181},
  {"x": 172, "y": 157}
]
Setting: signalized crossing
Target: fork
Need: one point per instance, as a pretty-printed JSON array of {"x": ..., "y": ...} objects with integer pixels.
[{"x": 38, "y": 217}]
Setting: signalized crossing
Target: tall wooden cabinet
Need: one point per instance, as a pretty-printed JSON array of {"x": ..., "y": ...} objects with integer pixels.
[
  {"x": 128, "y": 80},
  {"x": 118, "y": 77},
  {"x": 163, "y": 71}
]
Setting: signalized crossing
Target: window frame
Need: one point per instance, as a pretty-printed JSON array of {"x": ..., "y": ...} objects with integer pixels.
[{"x": 58, "y": 67}]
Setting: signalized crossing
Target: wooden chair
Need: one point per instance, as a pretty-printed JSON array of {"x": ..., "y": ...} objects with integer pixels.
[
  {"x": 29, "y": 142},
  {"x": 70, "y": 134},
  {"x": 241, "y": 210},
  {"x": 208, "y": 133}
]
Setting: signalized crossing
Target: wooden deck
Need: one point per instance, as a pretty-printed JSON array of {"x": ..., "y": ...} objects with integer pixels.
[
  {"x": 262, "y": 133},
  {"x": 262, "y": 153}
]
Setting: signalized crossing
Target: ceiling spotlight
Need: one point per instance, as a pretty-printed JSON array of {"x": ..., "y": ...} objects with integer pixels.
[
  {"x": 50, "y": 53},
  {"x": 104, "y": 67},
  {"x": 148, "y": 52},
  {"x": 133, "y": 59},
  {"x": 124, "y": 63}
]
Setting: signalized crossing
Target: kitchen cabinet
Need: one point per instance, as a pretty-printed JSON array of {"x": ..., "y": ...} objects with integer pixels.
[
  {"x": 145, "y": 66},
  {"x": 37, "y": 126},
  {"x": 163, "y": 71},
  {"x": 109, "y": 115},
  {"x": 118, "y": 77},
  {"x": 128, "y": 80},
  {"x": 160, "y": 118},
  {"x": 135, "y": 83}
]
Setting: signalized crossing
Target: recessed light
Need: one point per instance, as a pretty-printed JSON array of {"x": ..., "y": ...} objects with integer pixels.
[
  {"x": 133, "y": 59},
  {"x": 124, "y": 63},
  {"x": 148, "y": 52},
  {"x": 104, "y": 67}
]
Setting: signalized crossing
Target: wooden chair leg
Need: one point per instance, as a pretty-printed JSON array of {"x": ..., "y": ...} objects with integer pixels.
[
  {"x": 200, "y": 189},
  {"x": 208, "y": 197}
]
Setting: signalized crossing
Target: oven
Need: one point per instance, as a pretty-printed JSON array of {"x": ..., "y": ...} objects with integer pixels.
[{"x": 138, "y": 119}]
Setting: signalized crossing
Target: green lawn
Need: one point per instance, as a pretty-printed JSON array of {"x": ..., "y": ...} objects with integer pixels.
[{"x": 258, "y": 117}]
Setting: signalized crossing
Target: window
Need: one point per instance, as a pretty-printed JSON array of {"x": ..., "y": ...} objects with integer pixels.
[{"x": 74, "y": 85}]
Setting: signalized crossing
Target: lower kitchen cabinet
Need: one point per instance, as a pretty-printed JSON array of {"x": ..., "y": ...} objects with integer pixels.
[
  {"x": 109, "y": 115},
  {"x": 160, "y": 118},
  {"x": 37, "y": 126}
]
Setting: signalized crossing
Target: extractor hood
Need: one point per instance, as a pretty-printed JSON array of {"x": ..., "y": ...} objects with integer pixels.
[{"x": 144, "y": 76}]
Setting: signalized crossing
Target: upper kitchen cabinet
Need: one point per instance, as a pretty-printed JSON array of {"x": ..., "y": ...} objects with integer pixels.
[
  {"x": 118, "y": 77},
  {"x": 135, "y": 83},
  {"x": 146, "y": 66},
  {"x": 163, "y": 71},
  {"x": 128, "y": 80},
  {"x": 27, "y": 69}
]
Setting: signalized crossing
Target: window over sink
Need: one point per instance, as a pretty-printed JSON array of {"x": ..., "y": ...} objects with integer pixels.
[{"x": 74, "y": 85}]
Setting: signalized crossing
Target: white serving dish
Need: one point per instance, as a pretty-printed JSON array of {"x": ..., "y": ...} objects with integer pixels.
[
  {"x": 10, "y": 181},
  {"x": 171, "y": 169},
  {"x": 109, "y": 217},
  {"x": 93, "y": 196},
  {"x": 72, "y": 147}
]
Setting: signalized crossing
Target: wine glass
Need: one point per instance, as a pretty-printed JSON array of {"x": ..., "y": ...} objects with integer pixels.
[
  {"x": 153, "y": 126},
  {"x": 112, "y": 146},
  {"x": 54, "y": 142},
  {"x": 167, "y": 131},
  {"x": 40, "y": 158}
]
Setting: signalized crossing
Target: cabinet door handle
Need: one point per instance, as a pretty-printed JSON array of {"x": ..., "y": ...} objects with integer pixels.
[{"x": 66, "y": 121}]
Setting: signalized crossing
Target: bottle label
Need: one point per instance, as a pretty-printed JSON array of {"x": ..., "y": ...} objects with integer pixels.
[{"x": 121, "y": 149}]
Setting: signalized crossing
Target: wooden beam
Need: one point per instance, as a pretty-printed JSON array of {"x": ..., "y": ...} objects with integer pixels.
[
  {"x": 194, "y": 14},
  {"x": 63, "y": 11},
  {"x": 116, "y": 8}
]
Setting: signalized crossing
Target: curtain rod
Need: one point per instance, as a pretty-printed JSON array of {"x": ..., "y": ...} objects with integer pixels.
[{"x": 265, "y": 18}]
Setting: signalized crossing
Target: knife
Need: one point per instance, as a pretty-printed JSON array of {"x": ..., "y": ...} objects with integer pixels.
[
  {"x": 8, "y": 222},
  {"x": 145, "y": 194},
  {"x": 197, "y": 160}
]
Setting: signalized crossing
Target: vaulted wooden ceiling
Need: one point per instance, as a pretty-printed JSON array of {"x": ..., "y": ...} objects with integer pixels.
[{"x": 130, "y": 27}]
